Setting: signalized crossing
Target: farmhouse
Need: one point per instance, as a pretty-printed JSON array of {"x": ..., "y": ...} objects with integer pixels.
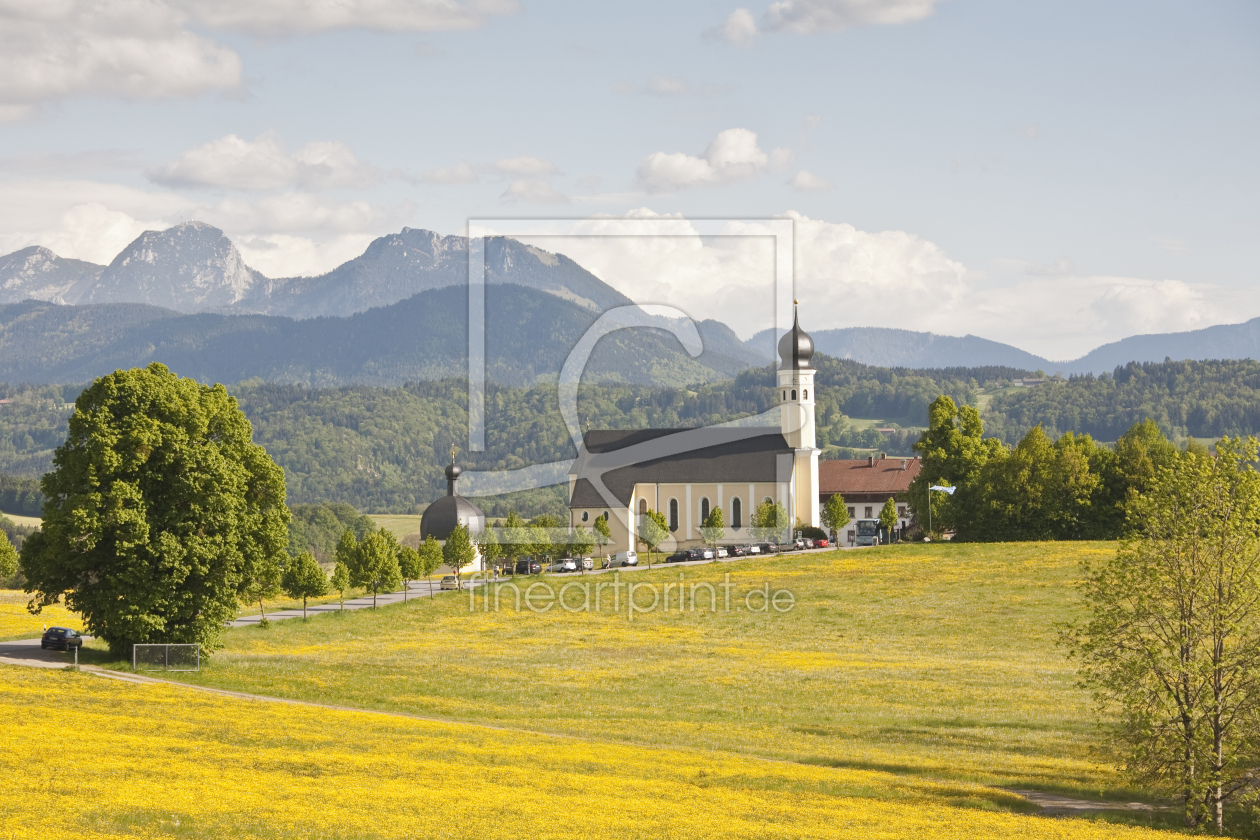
[
  {"x": 685, "y": 473},
  {"x": 866, "y": 484}
]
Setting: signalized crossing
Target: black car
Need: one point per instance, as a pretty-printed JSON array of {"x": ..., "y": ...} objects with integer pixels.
[
  {"x": 736, "y": 551},
  {"x": 768, "y": 548},
  {"x": 679, "y": 557},
  {"x": 527, "y": 567},
  {"x": 61, "y": 638}
]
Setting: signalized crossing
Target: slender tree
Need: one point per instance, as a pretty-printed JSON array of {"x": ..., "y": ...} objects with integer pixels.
[
  {"x": 458, "y": 551},
  {"x": 601, "y": 533},
  {"x": 487, "y": 543},
  {"x": 713, "y": 529},
  {"x": 653, "y": 531},
  {"x": 1171, "y": 648},
  {"x": 160, "y": 512},
  {"x": 835, "y": 514},
  {"x": 581, "y": 541},
  {"x": 888, "y": 517},
  {"x": 410, "y": 567},
  {"x": 8, "y": 558},
  {"x": 376, "y": 565},
  {"x": 304, "y": 578},
  {"x": 515, "y": 537},
  {"x": 430, "y": 554},
  {"x": 340, "y": 582},
  {"x": 769, "y": 521}
]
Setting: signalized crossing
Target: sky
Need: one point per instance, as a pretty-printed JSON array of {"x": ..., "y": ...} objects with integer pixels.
[{"x": 1054, "y": 175}]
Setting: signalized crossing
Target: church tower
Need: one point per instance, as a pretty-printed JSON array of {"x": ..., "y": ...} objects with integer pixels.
[{"x": 796, "y": 396}]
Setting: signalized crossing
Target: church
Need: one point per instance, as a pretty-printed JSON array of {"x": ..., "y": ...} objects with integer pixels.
[{"x": 684, "y": 473}]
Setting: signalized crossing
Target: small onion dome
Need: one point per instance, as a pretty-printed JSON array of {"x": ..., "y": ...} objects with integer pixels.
[
  {"x": 441, "y": 517},
  {"x": 796, "y": 348}
]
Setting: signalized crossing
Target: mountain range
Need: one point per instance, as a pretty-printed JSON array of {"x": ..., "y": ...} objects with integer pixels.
[{"x": 193, "y": 271}]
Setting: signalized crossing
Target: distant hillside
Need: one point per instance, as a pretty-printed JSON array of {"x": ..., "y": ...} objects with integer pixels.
[
  {"x": 39, "y": 274},
  {"x": 529, "y": 334},
  {"x": 1227, "y": 341},
  {"x": 886, "y": 347}
]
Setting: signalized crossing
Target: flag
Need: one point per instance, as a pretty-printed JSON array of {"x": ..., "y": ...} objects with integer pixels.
[{"x": 949, "y": 490}]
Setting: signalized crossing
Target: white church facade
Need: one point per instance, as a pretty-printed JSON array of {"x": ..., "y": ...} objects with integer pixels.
[{"x": 685, "y": 473}]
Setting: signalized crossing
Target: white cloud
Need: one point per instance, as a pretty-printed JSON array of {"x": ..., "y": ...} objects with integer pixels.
[
  {"x": 290, "y": 17},
  {"x": 525, "y": 165},
  {"x": 294, "y": 212},
  {"x": 133, "y": 49},
  {"x": 805, "y": 17},
  {"x": 667, "y": 86},
  {"x": 281, "y": 255},
  {"x": 533, "y": 191},
  {"x": 734, "y": 155},
  {"x": 806, "y": 181},
  {"x": 740, "y": 28},
  {"x": 264, "y": 164},
  {"x": 460, "y": 173}
]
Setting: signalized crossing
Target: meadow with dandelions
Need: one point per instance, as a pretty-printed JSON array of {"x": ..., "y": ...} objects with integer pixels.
[
  {"x": 154, "y": 761},
  {"x": 902, "y": 691}
]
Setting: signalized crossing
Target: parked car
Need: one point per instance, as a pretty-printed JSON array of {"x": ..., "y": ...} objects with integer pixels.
[
  {"x": 623, "y": 558},
  {"x": 768, "y": 548},
  {"x": 722, "y": 552},
  {"x": 564, "y": 565},
  {"x": 527, "y": 567},
  {"x": 61, "y": 638},
  {"x": 449, "y": 582},
  {"x": 736, "y": 551},
  {"x": 821, "y": 543},
  {"x": 586, "y": 563},
  {"x": 752, "y": 548},
  {"x": 809, "y": 542},
  {"x": 678, "y": 557}
]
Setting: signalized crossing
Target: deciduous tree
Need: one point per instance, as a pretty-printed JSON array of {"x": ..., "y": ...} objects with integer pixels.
[
  {"x": 8, "y": 558},
  {"x": 770, "y": 521},
  {"x": 888, "y": 517},
  {"x": 835, "y": 514},
  {"x": 430, "y": 553},
  {"x": 304, "y": 578},
  {"x": 340, "y": 582},
  {"x": 376, "y": 565},
  {"x": 409, "y": 566},
  {"x": 458, "y": 551},
  {"x": 160, "y": 512},
  {"x": 1171, "y": 648},
  {"x": 653, "y": 531},
  {"x": 713, "y": 529},
  {"x": 601, "y": 533}
]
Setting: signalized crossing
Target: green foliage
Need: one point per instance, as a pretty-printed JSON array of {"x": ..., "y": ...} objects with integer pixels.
[
  {"x": 516, "y": 537},
  {"x": 159, "y": 514},
  {"x": 770, "y": 522},
  {"x": 1200, "y": 399},
  {"x": 487, "y": 543},
  {"x": 835, "y": 513},
  {"x": 317, "y": 527},
  {"x": 601, "y": 533},
  {"x": 20, "y": 496},
  {"x": 8, "y": 559},
  {"x": 713, "y": 529},
  {"x": 888, "y": 515},
  {"x": 653, "y": 530},
  {"x": 546, "y": 536},
  {"x": 375, "y": 564},
  {"x": 340, "y": 582},
  {"x": 458, "y": 551},
  {"x": 1172, "y": 645},
  {"x": 409, "y": 564},
  {"x": 953, "y": 449},
  {"x": 581, "y": 542},
  {"x": 430, "y": 554},
  {"x": 304, "y": 578}
]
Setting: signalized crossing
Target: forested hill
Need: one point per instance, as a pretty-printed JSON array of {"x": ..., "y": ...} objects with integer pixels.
[
  {"x": 1186, "y": 399},
  {"x": 383, "y": 449},
  {"x": 529, "y": 334}
]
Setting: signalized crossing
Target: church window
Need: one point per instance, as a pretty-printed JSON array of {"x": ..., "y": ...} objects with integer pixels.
[
  {"x": 767, "y": 501},
  {"x": 642, "y": 505},
  {"x": 805, "y": 394},
  {"x": 785, "y": 395},
  {"x": 736, "y": 513},
  {"x": 673, "y": 514},
  {"x": 704, "y": 508},
  {"x": 586, "y": 514},
  {"x": 793, "y": 393}
]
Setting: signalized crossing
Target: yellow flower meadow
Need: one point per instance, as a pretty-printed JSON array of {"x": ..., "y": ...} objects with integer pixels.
[
  {"x": 17, "y": 623},
  {"x": 88, "y": 757}
]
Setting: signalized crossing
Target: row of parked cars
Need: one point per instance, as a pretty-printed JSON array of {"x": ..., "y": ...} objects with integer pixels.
[{"x": 631, "y": 558}]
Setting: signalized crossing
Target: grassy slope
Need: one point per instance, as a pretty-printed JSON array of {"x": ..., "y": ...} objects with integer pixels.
[
  {"x": 144, "y": 761},
  {"x": 931, "y": 660}
]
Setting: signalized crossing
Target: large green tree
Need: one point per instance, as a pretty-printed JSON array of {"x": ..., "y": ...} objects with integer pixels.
[
  {"x": 375, "y": 564},
  {"x": 8, "y": 558},
  {"x": 158, "y": 513},
  {"x": 954, "y": 450},
  {"x": 835, "y": 514},
  {"x": 1171, "y": 648},
  {"x": 770, "y": 521}
]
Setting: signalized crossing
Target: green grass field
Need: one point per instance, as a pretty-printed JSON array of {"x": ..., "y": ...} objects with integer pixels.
[
  {"x": 401, "y": 524},
  {"x": 934, "y": 662},
  {"x": 28, "y": 521}
]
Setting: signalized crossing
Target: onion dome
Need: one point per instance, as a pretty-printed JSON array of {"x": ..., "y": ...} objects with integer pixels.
[
  {"x": 441, "y": 517},
  {"x": 796, "y": 348}
]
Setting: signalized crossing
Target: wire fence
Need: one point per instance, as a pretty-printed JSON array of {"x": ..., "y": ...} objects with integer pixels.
[{"x": 172, "y": 657}]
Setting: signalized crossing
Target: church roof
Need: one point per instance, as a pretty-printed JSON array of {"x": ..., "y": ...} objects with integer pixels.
[
  {"x": 676, "y": 456},
  {"x": 796, "y": 348},
  {"x": 441, "y": 517},
  {"x": 868, "y": 475}
]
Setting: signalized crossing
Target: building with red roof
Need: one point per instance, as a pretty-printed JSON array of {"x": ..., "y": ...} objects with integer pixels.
[{"x": 866, "y": 484}]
